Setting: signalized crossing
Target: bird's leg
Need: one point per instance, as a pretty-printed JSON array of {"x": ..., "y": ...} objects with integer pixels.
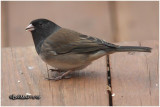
[
  {"x": 54, "y": 72},
  {"x": 62, "y": 76}
]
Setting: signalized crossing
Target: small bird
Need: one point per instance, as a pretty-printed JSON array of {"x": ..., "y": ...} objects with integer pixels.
[{"x": 67, "y": 50}]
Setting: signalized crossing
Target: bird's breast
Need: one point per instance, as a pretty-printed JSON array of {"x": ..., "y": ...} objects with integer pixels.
[{"x": 65, "y": 61}]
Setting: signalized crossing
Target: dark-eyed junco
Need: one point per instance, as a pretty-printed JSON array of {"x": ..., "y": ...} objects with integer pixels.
[{"x": 68, "y": 50}]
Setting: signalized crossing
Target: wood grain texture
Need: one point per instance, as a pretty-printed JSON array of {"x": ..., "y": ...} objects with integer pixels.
[
  {"x": 87, "y": 87},
  {"x": 134, "y": 79},
  {"x": 135, "y": 76}
]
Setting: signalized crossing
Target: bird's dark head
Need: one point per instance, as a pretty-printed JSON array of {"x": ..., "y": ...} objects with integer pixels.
[{"x": 42, "y": 27}]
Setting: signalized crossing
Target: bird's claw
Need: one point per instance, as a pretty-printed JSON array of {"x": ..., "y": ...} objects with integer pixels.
[
  {"x": 55, "y": 78},
  {"x": 59, "y": 77}
]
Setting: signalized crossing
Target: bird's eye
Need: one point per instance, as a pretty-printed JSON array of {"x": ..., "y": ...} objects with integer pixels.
[{"x": 40, "y": 24}]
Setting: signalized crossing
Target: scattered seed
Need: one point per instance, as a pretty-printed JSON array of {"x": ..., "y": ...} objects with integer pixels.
[
  {"x": 19, "y": 81},
  {"x": 30, "y": 67},
  {"x": 28, "y": 94},
  {"x": 113, "y": 94},
  {"x": 108, "y": 88}
]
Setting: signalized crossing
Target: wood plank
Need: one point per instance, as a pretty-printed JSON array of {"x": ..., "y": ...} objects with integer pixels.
[
  {"x": 135, "y": 76},
  {"x": 87, "y": 87}
]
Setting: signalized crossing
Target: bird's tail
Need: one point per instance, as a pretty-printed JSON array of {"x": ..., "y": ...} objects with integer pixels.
[{"x": 133, "y": 48}]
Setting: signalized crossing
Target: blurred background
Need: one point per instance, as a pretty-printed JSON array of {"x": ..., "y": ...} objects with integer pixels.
[{"x": 109, "y": 20}]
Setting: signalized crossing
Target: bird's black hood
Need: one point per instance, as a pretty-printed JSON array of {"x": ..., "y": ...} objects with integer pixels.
[{"x": 42, "y": 29}]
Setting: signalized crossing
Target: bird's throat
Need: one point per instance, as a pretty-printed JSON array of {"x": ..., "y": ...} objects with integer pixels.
[
  {"x": 38, "y": 41},
  {"x": 40, "y": 36}
]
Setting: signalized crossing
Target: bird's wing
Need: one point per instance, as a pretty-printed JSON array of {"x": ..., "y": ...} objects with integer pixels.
[{"x": 65, "y": 41}]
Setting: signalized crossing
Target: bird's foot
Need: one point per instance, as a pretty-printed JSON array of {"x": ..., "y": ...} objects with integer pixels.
[
  {"x": 58, "y": 78},
  {"x": 60, "y": 75},
  {"x": 55, "y": 78}
]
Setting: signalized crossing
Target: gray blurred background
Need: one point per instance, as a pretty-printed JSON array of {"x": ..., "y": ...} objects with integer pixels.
[{"x": 109, "y": 20}]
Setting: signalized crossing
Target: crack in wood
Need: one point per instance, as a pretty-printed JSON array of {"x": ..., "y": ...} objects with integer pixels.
[{"x": 109, "y": 82}]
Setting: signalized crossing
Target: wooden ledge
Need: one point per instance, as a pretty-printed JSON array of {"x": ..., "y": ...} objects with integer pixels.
[{"x": 134, "y": 79}]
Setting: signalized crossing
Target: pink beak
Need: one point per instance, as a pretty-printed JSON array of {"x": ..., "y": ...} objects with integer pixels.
[{"x": 30, "y": 28}]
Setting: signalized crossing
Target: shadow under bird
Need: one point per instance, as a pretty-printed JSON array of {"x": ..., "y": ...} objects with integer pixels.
[{"x": 67, "y": 50}]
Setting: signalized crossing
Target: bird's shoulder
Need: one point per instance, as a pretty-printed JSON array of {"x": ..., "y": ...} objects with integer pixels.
[
  {"x": 60, "y": 41},
  {"x": 64, "y": 35}
]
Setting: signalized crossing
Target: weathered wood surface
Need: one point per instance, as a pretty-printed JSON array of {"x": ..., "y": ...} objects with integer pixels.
[
  {"x": 87, "y": 87},
  {"x": 134, "y": 79},
  {"x": 135, "y": 76}
]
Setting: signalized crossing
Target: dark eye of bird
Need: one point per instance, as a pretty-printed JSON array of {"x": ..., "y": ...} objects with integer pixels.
[{"x": 40, "y": 24}]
